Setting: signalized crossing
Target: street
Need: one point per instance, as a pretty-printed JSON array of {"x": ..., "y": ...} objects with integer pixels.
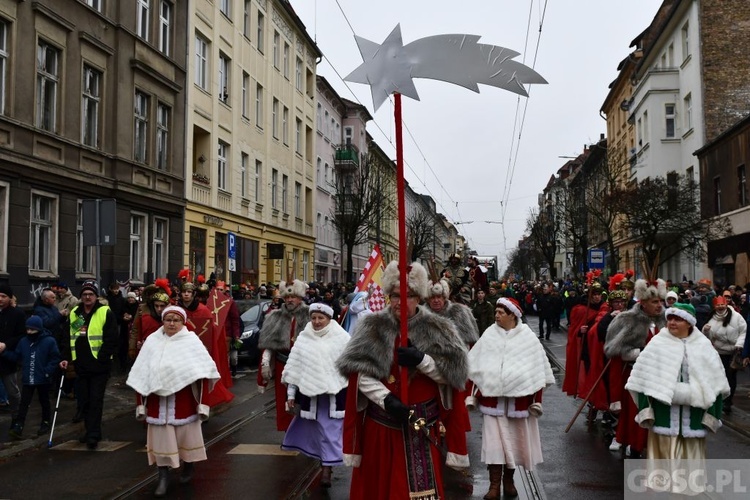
[{"x": 245, "y": 460}]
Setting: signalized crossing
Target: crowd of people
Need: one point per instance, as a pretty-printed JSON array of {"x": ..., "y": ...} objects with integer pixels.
[{"x": 350, "y": 391}]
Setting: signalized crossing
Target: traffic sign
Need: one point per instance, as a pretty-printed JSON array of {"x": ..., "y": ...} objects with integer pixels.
[
  {"x": 596, "y": 258},
  {"x": 232, "y": 252}
]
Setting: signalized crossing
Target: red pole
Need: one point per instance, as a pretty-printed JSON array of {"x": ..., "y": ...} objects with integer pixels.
[{"x": 402, "y": 257}]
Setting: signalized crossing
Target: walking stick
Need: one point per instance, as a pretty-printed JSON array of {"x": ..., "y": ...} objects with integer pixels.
[
  {"x": 588, "y": 396},
  {"x": 57, "y": 405}
]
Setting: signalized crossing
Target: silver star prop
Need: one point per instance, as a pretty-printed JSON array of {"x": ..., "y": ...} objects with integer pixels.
[{"x": 389, "y": 67}]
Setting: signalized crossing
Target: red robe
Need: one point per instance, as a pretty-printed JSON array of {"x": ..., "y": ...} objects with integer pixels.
[
  {"x": 201, "y": 322},
  {"x": 591, "y": 355},
  {"x": 580, "y": 315}
]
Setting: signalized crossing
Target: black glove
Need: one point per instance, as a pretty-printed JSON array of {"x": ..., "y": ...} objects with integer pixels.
[
  {"x": 396, "y": 408},
  {"x": 409, "y": 356}
]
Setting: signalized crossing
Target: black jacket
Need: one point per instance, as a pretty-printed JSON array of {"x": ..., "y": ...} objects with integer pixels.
[{"x": 12, "y": 329}]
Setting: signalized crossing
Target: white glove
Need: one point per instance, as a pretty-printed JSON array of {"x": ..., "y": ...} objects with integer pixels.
[
  {"x": 265, "y": 372},
  {"x": 536, "y": 410}
]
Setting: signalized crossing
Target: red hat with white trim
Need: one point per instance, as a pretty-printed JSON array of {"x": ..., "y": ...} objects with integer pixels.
[{"x": 512, "y": 305}]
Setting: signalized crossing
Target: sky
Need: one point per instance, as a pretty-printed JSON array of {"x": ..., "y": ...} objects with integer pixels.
[{"x": 485, "y": 158}]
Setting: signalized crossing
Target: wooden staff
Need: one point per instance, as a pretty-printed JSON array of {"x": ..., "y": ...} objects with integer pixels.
[
  {"x": 588, "y": 396},
  {"x": 402, "y": 263}
]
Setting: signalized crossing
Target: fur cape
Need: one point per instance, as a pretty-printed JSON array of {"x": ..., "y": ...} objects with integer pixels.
[
  {"x": 371, "y": 349},
  {"x": 629, "y": 331},
  {"x": 657, "y": 370},
  {"x": 312, "y": 361},
  {"x": 509, "y": 363},
  {"x": 463, "y": 320},
  {"x": 275, "y": 332}
]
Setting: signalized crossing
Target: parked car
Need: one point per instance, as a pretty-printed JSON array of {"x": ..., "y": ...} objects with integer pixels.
[{"x": 252, "y": 313}]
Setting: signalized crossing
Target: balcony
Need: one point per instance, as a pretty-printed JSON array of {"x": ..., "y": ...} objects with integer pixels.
[
  {"x": 347, "y": 156},
  {"x": 201, "y": 194}
]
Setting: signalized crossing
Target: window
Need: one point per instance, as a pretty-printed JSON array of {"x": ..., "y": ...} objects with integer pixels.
[
  {"x": 285, "y": 61},
  {"x": 669, "y": 119},
  {"x": 645, "y": 127},
  {"x": 261, "y": 31},
  {"x": 259, "y": 105},
  {"x": 84, "y": 254},
  {"x": 276, "y": 48},
  {"x": 688, "y": 107},
  {"x": 243, "y": 174},
  {"x": 298, "y": 136},
  {"x": 274, "y": 182},
  {"x": 285, "y": 126},
  {"x": 162, "y": 136},
  {"x": 639, "y": 131},
  {"x": 141, "y": 127},
  {"x": 319, "y": 118},
  {"x": 201, "y": 62},
  {"x": 717, "y": 195},
  {"x": 246, "y": 19},
  {"x": 160, "y": 239},
  {"x": 197, "y": 257},
  {"x": 741, "y": 186},
  {"x": 305, "y": 265},
  {"x": 328, "y": 130},
  {"x": 348, "y": 134},
  {"x": 245, "y": 88},
  {"x": 298, "y": 200},
  {"x": 143, "y": 7},
  {"x": 47, "y": 77},
  {"x": 258, "y": 180},
  {"x": 670, "y": 55},
  {"x": 685, "y": 42},
  {"x": 275, "y": 118},
  {"x": 3, "y": 63},
  {"x": 222, "y": 165},
  {"x": 165, "y": 21},
  {"x": 90, "y": 110},
  {"x": 224, "y": 65},
  {"x": 284, "y": 190},
  {"x": 95, "y": 4},
  {"x": 298, "y": 74},
  {"x": 318, "y": 164},
  {"x": 138, "y": 238},
  {"x": 43, "y": 233},
  {"x": 224, "y": 6}
]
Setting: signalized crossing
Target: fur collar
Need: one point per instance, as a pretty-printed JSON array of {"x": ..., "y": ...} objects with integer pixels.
[
  {"x": 275, "y": 334},
  {"x": 657, "y": 370},
  {"x": 463, "y": 320},
  {"x": 629, "y": 330},
  {"x": 371, "y": 349},
  {"x": 509, "y": 363},
  {"x": 311, "y": 364}
]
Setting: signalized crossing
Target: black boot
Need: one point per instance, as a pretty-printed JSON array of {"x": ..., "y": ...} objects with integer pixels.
[
  {"x": 187, "y": 472},
  {"x": 161, "y": 486}
]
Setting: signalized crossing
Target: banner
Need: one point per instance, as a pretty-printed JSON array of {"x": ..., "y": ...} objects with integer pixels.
[{"x": 371, "y": 279}]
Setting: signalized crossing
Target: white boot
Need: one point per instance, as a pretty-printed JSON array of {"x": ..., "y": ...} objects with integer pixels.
[{"x": 615, "y": 446}]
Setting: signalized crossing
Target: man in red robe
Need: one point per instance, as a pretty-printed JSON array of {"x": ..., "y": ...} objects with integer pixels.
[
  {"x": 201, "y": 322},
  {"x": 582, "y": 317},
  {"x": 391, "y": 459}
]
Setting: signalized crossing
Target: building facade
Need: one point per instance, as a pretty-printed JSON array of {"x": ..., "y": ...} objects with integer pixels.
[{"x": 92, "y": 106}]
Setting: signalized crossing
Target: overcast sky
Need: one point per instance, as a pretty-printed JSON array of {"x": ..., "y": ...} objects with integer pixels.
[{"x": 464, "y": 145}]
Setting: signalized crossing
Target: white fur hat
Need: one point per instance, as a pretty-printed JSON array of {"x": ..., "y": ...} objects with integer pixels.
[
  {"x": 645, "y": 290},
  {"x": 440, "y": 287},
  {"x": 297, "y": 288},
  {"x": 417, "y": 279},
  {"x": 321, "y": 307}
]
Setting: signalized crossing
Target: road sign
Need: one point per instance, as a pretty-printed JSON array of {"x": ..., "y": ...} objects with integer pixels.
[
  {"x": 596, "y": 258},
  {"x": 99, "y": 222},
  {"x": 232, "y": 252}
]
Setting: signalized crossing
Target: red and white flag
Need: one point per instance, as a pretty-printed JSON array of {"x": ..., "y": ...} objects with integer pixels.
[{"x": 371, "y": 279}]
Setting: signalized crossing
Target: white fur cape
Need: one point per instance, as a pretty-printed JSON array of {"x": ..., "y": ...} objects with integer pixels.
[
  {"x": 509, "y": 363},
  {"x": 312, "y": 361},
  {"x": 167, "y": 364},
  {"x": 657, "y": 369}
]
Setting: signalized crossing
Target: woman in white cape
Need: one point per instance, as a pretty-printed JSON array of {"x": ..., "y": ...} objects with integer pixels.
[
  {"x": 316, "y": 391},
  {"x": 168, "y": 376},
  {"x": 509, "y": 370}
]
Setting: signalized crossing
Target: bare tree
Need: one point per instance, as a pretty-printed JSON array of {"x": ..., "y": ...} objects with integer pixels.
[
  {"x": 420, "y": 234},
  {"x": 663, "y": 216},
  {"x": 571, "y": 217},
  {"x": 356, "y": 198},
  {"x": 522, "y": 262},
  {"x": 543, "y": 229}
]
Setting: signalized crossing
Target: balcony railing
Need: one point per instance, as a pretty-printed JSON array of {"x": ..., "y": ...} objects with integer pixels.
[{"x": 347, "y": 155}]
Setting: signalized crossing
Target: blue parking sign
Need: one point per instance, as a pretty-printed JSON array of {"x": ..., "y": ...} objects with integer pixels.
[{"x": 232, "y": 246}]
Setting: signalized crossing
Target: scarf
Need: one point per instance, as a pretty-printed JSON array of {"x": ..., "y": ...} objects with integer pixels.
[
  {"x": 167, "y": 364},
  {"x": 312, "y": 361},
  {"x": 657, "y": 370},
  {"x": 509, "y": 363}
]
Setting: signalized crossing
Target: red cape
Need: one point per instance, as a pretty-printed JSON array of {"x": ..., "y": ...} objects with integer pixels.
[
  {"x": 580, "y": 315},
  {"x": 201, "y": 322}
]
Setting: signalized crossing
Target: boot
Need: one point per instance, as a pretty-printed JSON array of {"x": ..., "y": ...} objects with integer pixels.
[
  {"x": 187, "y": 472},
  {"x": 161, "y": 486},
  {"x": 16, "y": 431},
  {"x": 509, "y": 488},
  {"x": 496, "y": 475},
  {"x": 325, "y": 478}
]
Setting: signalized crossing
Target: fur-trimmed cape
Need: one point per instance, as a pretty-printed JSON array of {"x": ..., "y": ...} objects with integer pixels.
[
  {"x": 629, "y": 331},
  {"x": 463, "y": 320},
  {"x": 370, "y": 351},
  {"x": 275, "y": 332}
]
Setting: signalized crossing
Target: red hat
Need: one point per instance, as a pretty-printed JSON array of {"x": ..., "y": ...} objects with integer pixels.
[
  {"x": 719, "y": 300},
  {"x": 184, "y": 274},
  {"x": 163, "y": 283},
  {"x": 512, "y": 305},
  {"x": 200, "y": 279}
]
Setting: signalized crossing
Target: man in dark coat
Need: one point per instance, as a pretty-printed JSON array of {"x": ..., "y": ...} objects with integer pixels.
[{"x": 12, "y": 329}]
